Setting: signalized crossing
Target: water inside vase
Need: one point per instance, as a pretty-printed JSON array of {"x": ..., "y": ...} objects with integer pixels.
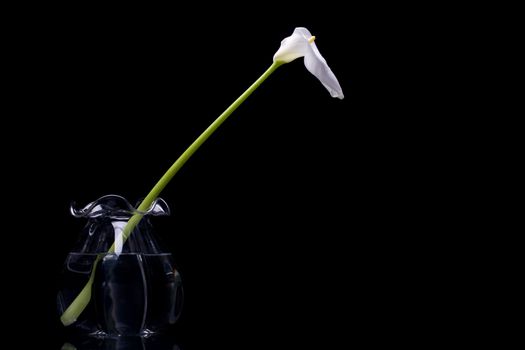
[{"x": 132, "y": 293}]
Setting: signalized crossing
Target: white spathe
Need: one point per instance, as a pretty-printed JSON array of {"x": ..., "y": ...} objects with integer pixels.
[{"x": 301, "y": 44}]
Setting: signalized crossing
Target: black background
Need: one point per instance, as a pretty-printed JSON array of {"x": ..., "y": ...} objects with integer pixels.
[{"x": 303, "y": 219}]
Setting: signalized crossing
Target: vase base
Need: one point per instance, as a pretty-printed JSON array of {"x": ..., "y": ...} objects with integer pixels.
[{"x": 145, "y": 333}]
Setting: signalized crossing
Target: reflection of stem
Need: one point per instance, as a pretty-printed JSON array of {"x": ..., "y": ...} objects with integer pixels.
[
  {"x": 68, "y": 346},
  {"x": 79, "y": 304}
]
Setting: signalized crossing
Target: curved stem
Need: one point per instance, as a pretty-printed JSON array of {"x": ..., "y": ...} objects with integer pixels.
[
  {"x": 81, "y": 301},
  {"x": 154, "y": 193}
]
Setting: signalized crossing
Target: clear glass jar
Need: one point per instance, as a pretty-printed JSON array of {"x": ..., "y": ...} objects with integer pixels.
[{"x": 134, "y": 286}]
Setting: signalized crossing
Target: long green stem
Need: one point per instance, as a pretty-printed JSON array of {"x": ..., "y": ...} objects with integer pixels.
[
  {"x": 154, "y": 193},
  {"x": 78, "y": 305},
  {"x": 81, "y": 301}
]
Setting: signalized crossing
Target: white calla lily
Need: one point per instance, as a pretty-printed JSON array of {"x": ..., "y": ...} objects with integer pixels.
[{"x": 301, "y": 44}]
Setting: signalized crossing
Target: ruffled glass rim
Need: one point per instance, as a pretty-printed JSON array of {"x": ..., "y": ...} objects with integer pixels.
[{"x": 114, "y": 205}]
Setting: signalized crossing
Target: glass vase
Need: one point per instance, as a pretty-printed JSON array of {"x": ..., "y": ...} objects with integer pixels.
[{"x": 135, "y": 287}]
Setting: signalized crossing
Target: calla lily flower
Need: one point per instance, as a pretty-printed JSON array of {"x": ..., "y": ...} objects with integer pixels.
[{"x": 301, "y": 44}]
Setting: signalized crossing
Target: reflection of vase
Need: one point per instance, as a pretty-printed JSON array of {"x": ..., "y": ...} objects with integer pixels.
[
  {"x": 136, "y": 290},
  {"x": 158, "y": 342}
]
